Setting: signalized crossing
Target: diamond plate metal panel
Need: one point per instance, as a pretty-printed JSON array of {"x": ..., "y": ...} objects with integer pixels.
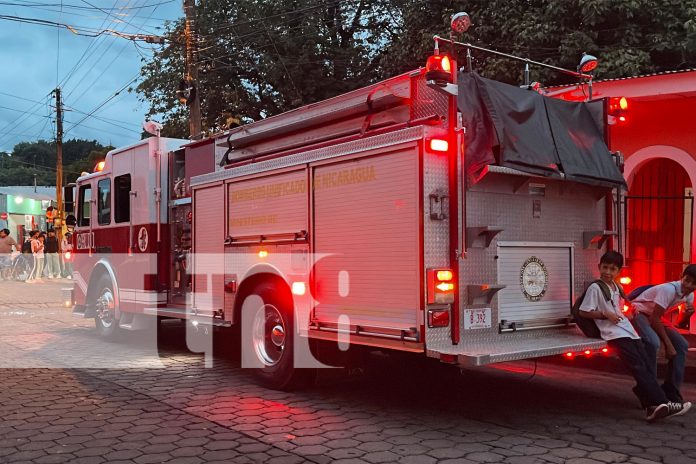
[
  {"x": 435, "y": 233},
  {"x": 426, "y": 101},
  {"x": 564, "y": 211}
]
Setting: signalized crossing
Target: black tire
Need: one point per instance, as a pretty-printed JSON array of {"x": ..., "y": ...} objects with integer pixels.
[
  {"x": 269, "y": 340},
  {"x": 104, "y": 301}
]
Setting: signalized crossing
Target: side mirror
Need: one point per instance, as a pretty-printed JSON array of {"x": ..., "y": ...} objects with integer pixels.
[
  {"x": 68, "y": 198},
  {"x": 70, "y": 222}
]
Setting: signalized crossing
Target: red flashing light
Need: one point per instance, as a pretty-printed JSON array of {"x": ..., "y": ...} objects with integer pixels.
[
  {"x": 626, "y": 308},
  {"x": 569, "y": 355},
  {"x": 617, "y": 109},
  {"x": 605, "y": 350},
  {"x": 438, "y": 68},
  {"x": 588, "y": 352},
  {"x": 625, "y": 280},
  {"x": 99, "y": 167}
]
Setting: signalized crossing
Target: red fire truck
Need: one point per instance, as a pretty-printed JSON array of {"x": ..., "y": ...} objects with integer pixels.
[{"x": 436, "y": 212}]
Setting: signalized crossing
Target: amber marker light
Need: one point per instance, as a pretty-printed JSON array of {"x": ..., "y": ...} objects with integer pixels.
[
  {"x": 99, "y": 167},
  {"x": 444, "y": 276},
  {"x": 263, "y": 254}
]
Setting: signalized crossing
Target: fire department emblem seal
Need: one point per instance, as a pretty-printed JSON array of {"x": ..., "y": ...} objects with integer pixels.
[
  {"x": 534, "y": 279},
  {"x": 142, "y": 239}
]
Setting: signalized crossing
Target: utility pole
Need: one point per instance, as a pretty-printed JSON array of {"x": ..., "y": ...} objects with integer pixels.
[
  {"x": 191, "y": 79},
  {"x": 59, "y": 163}
]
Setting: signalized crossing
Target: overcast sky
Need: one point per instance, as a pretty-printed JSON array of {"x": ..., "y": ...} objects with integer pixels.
[{"x": 38, "y": 58}]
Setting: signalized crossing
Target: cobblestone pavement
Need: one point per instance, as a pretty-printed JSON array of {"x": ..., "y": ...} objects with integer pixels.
[{"x": 176, "y": 410}]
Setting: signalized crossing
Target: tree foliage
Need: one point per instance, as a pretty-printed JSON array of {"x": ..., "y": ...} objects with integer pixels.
[
  {"x": 39, "y": 158},
  {"x": 630, "y": 37},
  {"x": 258, "y": 58}
]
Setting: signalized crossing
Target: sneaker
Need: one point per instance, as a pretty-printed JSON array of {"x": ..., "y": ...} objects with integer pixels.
[
  {"x": 69, "y": 277},
  {"x": 656, "y": 412},
  {"x": 677, "y": 409}
]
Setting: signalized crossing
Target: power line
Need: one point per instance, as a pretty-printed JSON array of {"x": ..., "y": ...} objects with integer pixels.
[
  {"x": 8, "y": 157},
  {"x": 104, "y": 103}
]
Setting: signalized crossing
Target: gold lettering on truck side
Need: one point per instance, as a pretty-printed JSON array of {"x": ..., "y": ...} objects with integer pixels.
[
  {"x": 345, "y": 177},
  {"x": 254, "y": 220},
  {"x": 276, "y": 190}
]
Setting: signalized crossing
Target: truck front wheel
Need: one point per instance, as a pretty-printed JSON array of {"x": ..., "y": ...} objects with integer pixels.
[
  {"x": 268, "y": 341},
  {"x": 105, "y": 309}
]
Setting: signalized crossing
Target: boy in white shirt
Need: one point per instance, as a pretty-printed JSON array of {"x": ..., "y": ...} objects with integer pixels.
[
  {"x": 649, "y": 309},
  {"x": 623, "y": 338}
]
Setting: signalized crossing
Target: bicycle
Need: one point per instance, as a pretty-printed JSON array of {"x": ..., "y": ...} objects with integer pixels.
[{"x": 21, "y": 267}]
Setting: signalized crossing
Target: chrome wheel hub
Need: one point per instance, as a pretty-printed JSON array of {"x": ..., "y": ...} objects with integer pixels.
[
  {"x": 105, "y": 308},
  {"x": 269, "y": 335}
]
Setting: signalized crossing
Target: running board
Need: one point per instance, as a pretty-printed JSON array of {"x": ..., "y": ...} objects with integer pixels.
[
  {"x": 189, "y": 314},
  {"x": 511, "y": 347}
]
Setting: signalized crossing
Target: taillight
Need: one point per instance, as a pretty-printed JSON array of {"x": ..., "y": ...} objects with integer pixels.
[{"x": 440, "y": 286}]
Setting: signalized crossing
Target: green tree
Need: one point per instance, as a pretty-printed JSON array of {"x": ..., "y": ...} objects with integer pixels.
[
  {"x": 261, "y": 57},
  {"x": 29, "y": 159},
  {"x": 630, "y": 37}
]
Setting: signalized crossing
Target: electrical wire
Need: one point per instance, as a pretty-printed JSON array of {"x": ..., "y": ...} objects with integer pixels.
[{"x": 103, "y": 103}]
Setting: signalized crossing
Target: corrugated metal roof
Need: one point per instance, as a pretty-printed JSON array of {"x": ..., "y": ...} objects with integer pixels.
[{"x": 27, "y": 191}]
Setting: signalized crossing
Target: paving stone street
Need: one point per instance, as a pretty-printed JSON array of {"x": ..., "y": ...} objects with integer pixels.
[{"x": 66, "y": 396}]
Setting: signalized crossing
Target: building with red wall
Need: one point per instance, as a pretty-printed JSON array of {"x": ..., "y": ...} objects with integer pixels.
[{"x": 658, "y": 141}]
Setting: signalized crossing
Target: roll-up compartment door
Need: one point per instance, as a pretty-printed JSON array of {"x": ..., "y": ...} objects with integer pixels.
[
  {"x": 367, "y": 241},
  {"x": 208, "y": 248}
]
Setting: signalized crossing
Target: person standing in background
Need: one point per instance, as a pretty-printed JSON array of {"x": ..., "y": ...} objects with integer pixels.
[
  {"x": 37, "y": 250},
  {"x": 6, "y": 244},
  {"x": 66, "y": 255},
  {"x": 51, "y": 253}
]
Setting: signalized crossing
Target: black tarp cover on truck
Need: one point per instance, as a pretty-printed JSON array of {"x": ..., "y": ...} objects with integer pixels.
[{"x": 523, "y": 130}]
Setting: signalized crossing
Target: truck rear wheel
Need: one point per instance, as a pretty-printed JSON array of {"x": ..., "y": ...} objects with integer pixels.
[
  {"x": 105, "y": 309},
  {"x": 269, "y": 341}
]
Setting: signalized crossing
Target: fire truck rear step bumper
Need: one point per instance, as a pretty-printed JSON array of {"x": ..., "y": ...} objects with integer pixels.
[{"x": 513, "y": 347}]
